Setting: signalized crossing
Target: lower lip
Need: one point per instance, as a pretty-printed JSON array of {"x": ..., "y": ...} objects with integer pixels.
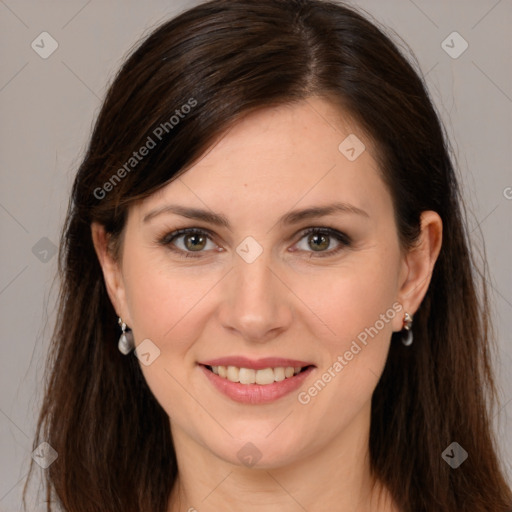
[{"x": 256, "y": 393}]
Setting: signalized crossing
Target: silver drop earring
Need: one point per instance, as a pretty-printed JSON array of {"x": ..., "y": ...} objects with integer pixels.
[
  {"x": 126, "y": 343},
  {"x": 407, "y": 338}
]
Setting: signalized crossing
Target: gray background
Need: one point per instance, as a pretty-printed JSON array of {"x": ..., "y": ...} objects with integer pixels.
[{"x": 47, "y": 108}]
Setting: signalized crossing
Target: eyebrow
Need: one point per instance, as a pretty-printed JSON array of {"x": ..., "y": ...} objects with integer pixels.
[{"x": 293, "y": 217}]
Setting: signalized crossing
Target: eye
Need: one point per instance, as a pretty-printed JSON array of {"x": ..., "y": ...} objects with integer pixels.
[
  {"x": 187, "y": 241},
  {"x": 320, "y": 239}
]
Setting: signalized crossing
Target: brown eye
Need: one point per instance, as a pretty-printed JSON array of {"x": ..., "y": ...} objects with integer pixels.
[
  {"x": 318, "y": 241},
  {"x": 195, "y": 242},
  {"x": 187, "y": 241}
]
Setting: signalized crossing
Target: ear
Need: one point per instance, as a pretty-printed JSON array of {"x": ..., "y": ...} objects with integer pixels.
[
  {"x": 112, "y": 273},
  {"x": 419, "y": 263}
]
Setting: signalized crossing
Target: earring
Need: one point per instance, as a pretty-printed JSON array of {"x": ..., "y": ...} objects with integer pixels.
[
  {"x": 407, "y": 338},
  {"x": 126, "y": 343}
]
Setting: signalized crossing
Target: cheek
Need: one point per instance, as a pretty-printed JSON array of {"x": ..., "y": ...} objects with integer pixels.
[
  {"x": 355, "y": 298},
  {"x": 358, "y": 305},
  {"x": 165, "y": 305},
  {"x": 360, "y": 313},
  {"x": 162, "y": 299}
]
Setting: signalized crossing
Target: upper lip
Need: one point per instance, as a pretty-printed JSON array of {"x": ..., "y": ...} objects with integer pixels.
[{"x": 255, "y": 364}]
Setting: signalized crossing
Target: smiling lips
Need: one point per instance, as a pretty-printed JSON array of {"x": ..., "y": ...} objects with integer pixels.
[{"x": 255, "y": 382}]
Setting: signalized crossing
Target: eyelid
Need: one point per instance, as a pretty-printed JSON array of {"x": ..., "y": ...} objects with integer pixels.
[
  {"x": 342, "y": 238},
  {"x": 167, "y": 239},
  {"x": 336, "y": 233},
  {"x": 173, "y": 234}
]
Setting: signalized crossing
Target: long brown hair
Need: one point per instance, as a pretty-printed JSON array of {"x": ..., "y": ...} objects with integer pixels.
[{"x": 224, "y": 59}]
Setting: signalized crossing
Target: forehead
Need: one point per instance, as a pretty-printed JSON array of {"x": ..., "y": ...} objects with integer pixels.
[{"x": 299, "y": 154}]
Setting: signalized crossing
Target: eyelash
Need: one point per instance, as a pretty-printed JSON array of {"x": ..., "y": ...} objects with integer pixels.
[{"x": 342, "y": 238}]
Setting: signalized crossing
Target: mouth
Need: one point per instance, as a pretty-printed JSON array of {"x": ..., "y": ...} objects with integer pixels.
[
  {"x": 255, "y": 382},
  {"x": 263, "y": 377}
]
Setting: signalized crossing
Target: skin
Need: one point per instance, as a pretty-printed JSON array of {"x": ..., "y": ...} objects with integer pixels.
[{"x": 290, "y": 302}]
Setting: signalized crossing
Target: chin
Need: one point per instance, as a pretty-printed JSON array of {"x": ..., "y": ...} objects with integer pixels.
[{"x": 257, "y": 451}]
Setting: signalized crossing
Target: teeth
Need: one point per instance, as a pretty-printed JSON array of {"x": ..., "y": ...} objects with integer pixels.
[
  {"x": 279, "y": 374},
  {"x": 250, "y": 376},
  {"x": 245, "y": 376},
  {"x": 265, "y": 376},
  {"x": 233, "y": 374}
]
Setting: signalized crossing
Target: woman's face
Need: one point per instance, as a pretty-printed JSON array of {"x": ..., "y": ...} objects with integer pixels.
[{"x": 258, "y": 286}]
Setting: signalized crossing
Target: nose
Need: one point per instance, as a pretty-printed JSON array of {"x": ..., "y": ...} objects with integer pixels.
[{"x": 257, "y": 304}]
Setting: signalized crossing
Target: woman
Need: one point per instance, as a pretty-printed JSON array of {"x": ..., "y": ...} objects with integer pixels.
[{"x": 259, "y": 309}]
